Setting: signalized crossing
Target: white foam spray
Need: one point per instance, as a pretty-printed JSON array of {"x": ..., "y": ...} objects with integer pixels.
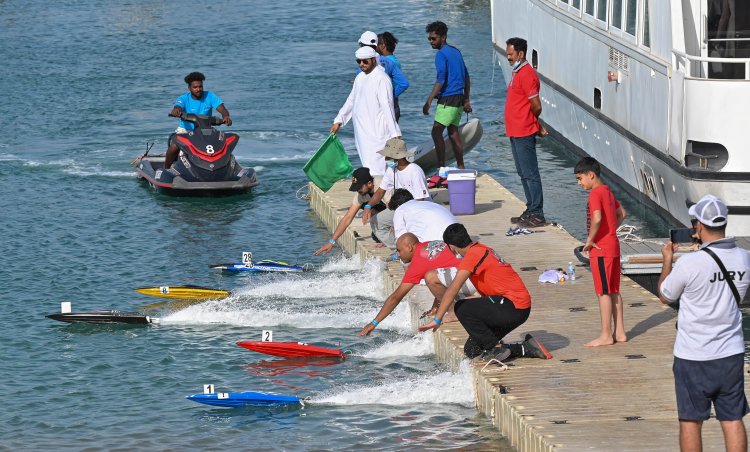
[
  {"x": 438, "y": 388},
  {"x": 314, "y": 300}
]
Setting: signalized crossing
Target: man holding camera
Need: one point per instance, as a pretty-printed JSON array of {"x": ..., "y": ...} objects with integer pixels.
[{"x": 709, "y": 348}]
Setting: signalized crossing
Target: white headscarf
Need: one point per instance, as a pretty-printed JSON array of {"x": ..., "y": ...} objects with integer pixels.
[{"x": 365, "y": 52}]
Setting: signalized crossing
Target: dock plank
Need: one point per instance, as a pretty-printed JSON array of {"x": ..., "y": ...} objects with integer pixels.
[{"x": 608, "y": 398}]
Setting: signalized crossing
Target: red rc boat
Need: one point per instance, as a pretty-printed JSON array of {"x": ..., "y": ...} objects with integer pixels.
[{"x": 291, "y": 349}]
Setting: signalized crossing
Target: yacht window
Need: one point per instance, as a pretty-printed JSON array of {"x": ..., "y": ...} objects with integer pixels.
[
  {"x": 728, "y": 35},
  {"x": 631, "y": 16},
  {"x": 617, "y": 13},
  {"x": 564, "y": 1},
  {"x": 575, "y": 4},
  {"x": 646, "y": 25},
  {"x": 601, "y": 12},
  {"x": 589, "y": 7}
]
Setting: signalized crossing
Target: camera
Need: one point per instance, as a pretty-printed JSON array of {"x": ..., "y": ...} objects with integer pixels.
[{"x": 682, "y": 235}]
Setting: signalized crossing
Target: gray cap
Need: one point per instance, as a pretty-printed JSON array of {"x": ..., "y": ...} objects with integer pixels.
[{"x": 710, "y": 211}]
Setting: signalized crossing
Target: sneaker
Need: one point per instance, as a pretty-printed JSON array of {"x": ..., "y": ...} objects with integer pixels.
[
  {"x": 519, "y": 218},
  {"x": 502, "y": 354},
  {"x": 532, "y": 348},
  {"x": 499, "y": 353},
  {"x": 533, "y": 221}
]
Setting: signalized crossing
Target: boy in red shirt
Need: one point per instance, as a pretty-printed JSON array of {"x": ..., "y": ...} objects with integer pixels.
[{"x": 604, "y": 215}]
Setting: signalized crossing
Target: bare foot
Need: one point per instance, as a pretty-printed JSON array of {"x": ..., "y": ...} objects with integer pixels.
[
  {"x": 600, "y": 341},
  {"x": 380, "y": 245},
  {"x": 621, "y": 338}
]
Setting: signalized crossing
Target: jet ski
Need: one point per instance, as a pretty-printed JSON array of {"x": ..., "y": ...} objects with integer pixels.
[{"x": 205, "y": 165}]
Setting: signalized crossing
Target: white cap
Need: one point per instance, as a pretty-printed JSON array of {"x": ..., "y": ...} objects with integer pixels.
[
  {"x": 365, "y": 52},
  {"x": 710, "y": 211},
  {"x": 369, "y": 38}
]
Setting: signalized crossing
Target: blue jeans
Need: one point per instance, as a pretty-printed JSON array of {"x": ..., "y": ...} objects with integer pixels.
[{"x": 524, "y": 154}]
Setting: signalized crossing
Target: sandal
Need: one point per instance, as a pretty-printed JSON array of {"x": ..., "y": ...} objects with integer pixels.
[{"x": 437, "y": 182}]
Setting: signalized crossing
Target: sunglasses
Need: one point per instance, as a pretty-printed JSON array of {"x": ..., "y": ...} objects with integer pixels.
[
  {"x": 432, "y": 38},
  {"x": 366, "y": 60}
]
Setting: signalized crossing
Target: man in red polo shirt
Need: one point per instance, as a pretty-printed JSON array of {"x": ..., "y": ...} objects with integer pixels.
[
  {"x": 522, "y": 110},
  {"x": 431, "y": 261}
]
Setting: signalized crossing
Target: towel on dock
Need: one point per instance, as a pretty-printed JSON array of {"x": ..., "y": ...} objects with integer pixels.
[{"x": 553, "y": 276}]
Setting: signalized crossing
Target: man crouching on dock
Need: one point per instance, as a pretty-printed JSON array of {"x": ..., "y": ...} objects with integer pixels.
[
  {"x": 431, "y": 261},
  {"x": 505, "y": 303}
]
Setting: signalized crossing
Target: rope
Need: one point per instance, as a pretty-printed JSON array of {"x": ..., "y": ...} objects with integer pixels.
[
  {"x": 558, "y": 226},
  {"x": 502, "y": 365},
  {"x": 626, "y": 233},
  {"x": 303, "y": 196}
]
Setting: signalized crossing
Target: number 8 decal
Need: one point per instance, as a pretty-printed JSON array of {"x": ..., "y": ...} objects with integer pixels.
[{"x": 209, "y": 149}]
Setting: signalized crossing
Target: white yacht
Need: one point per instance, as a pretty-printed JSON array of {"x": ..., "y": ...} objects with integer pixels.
[{"x": 657, "y": 90}]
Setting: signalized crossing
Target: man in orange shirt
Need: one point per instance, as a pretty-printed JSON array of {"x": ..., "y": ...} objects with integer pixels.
[{"x": 505, "y": 303}]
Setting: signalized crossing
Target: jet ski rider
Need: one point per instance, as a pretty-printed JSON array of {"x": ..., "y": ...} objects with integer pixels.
[{"x": 197, "y": 102}]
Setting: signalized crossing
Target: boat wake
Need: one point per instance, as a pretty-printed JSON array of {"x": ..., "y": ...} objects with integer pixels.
[{"x": 440, "y": 388}]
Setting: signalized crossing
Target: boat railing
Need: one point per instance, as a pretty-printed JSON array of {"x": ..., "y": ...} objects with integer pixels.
[{"x": 695, "y": 66}]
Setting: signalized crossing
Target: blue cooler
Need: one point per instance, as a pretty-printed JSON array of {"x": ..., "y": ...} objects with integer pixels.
[{"x": 462, "y": 188}]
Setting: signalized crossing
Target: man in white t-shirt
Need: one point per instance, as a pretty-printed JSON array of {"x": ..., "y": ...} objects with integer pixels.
[
  {"x": 398, "y": 174},
  {"x": 425, "y": 219},
  {"x": 709, "y": 348}
]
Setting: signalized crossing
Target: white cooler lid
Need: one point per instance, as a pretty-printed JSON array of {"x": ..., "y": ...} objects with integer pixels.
[{"x": 462, "y": 175}]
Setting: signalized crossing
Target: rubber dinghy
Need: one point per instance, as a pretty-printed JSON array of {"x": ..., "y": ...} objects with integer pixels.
[
  {"x": 248, "y": 398},
  {"x": 424, "y": 154},
  {"x": 260, "y": 267},
  {"x": 104, "y": 317},
  {"x": 291, "y": 349}
]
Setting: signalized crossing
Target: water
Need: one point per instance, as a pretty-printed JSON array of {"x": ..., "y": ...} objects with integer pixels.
[{"x": 85, "y": 86}]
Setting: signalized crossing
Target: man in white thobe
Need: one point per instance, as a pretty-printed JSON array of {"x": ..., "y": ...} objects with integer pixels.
[{"x": 370, "y": 107}]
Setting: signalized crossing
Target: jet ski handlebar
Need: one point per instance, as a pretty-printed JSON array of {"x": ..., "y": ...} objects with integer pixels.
[{"x": 202, "y": 121}]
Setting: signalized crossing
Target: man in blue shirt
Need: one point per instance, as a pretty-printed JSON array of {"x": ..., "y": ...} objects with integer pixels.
[
  {"x": 452, "y": 89},
  {"x": 392, "y": 68},
  {"x": 197, "y": 102}
]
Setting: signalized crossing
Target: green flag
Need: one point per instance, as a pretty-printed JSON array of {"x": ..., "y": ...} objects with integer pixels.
[{"x": 329, "y": 164}]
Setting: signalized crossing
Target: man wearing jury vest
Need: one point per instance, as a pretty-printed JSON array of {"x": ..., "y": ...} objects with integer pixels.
[{"x": 709, "y": 349}]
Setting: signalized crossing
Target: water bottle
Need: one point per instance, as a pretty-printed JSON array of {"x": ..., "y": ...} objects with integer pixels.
[{"x": 571, "y": 272}]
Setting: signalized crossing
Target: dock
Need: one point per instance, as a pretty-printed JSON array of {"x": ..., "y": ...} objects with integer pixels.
[{"x": 619, "y": 397}]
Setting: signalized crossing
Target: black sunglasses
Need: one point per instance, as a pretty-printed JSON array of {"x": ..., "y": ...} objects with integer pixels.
[
  {"x": 366, "y": 60},
  {"x": 432, "y": 38}
]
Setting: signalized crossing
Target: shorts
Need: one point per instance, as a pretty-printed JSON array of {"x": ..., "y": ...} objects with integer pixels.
[
  {"x": 449, "y": 110},
  {"x": 606, "y": 274},
  {"x": 446, "y": 277},
  {"x": 699, "y": 383}
]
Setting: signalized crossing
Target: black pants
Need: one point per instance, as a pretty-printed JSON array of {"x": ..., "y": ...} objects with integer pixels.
[{"x": 488, "y": 320}]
